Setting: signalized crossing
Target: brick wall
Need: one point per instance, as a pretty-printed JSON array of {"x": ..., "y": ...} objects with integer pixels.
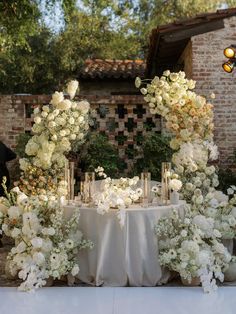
[
  {"x": 125, "y": 119},
  {"x": 207, "y": 58}
]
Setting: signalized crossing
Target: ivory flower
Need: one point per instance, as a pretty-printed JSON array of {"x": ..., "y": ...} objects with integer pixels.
[{"x": 72, "y": 88}]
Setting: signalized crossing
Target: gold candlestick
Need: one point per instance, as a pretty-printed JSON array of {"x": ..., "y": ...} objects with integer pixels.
[{"x": 165, "y": 189}]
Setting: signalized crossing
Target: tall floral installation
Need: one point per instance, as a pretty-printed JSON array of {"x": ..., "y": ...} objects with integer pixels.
[
  {"x": 56, "y": 127},
  {"x": 193, "y": 247},
  {"x": 46, "y": 241}
]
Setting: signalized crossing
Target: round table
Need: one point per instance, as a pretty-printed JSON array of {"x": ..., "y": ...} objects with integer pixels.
[{"x": 125, "y": 255}]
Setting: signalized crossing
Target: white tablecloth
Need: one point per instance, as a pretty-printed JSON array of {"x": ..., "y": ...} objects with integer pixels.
[{"x": 123, "y": 256}]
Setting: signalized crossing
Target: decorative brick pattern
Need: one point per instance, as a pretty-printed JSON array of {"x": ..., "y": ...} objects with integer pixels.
[{"x": 124, "y": 119}]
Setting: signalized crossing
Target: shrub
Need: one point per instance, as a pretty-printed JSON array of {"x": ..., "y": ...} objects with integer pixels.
[
  {"x": 154, "y": 150},
  {"x": 98, "y": 151}
]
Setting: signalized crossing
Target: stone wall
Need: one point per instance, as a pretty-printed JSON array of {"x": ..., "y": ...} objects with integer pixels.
[
  {"x": 125, "y": 119},
  {"x": 207, "y": 58}
]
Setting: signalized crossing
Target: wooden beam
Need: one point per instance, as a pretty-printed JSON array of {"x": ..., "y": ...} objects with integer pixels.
[{"x": 193, "y": 31}]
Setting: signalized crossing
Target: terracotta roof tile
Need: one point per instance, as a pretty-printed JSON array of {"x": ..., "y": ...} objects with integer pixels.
[{"x": 108, "y": 68}]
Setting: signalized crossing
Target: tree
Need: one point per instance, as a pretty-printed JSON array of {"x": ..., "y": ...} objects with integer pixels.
[
  {"x": 31, "y": 69},
  {"x": 34, "y": 59}
]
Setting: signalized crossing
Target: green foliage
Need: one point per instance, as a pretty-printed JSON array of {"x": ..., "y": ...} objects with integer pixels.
[
  {"x": 154, "y": 150},
  {"x": 98, "y": 151},
  {"x": 21, "y": 141},
  {"x": 226, "y": 178},
  {"x": 34, "y": 59},
  {"x": 18, "y": 19}
]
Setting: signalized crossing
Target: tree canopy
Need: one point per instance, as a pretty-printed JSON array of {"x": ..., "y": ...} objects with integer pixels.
[{"x": 36, "y": 54}]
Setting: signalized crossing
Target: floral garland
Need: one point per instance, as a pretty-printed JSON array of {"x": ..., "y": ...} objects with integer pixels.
[
  {"x": 189, "y": 118},
  {"x": 46, "y": 242}
]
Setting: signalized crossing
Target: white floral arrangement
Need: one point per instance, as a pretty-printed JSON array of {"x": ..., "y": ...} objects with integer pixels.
[
  {"x": 185, "y": 248},
  {"x": 189, "y": 118},
  {"x": 116, "y": 194},
  {"x": 56, "y": 127},
  {"x": 46, "y": 244}
]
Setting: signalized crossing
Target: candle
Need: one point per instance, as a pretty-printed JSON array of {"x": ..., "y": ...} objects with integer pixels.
[
  {"x": 89, "y": 186},
  {"x": 165, "y": 189},
  {"x": 146, "y": 185}
]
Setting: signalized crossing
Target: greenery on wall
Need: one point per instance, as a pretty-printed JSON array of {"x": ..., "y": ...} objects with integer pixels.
[
  {"x": 155, "y": 149},
  {"x": 98, "y": 151},
  {"x": 21, "y": 142}
]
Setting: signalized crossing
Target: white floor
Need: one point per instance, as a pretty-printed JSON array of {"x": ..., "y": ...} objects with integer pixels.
[{"x": 163, "y": 300}]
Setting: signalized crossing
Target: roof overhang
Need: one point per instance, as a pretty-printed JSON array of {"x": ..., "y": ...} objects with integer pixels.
[{"x": 168, "y": 42}]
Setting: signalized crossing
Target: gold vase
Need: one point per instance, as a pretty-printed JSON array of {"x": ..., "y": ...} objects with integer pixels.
[{"x": 165, "y": 180}]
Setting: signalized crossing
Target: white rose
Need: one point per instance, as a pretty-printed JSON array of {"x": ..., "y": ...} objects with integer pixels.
[
  {"x": 56, "y": 112},
  {"x": 137, "y": 82},
  {"x": 50, "y": 117},
  {"x": 80, "y": 136},
  {"x": 51, "y": 124},
  {"x": 174, "y": 76},
  {"x": 143, "y": 91},
  {"x": 46, "y": 108},
  {"x": 44, "y": 114},
  {"x": 37, "y": 120},
  {"x": 54, "y": 137},
  {"x": 73, "y": 137},
  {"x": 36, "y": 110},
  {"x": 81, "y": 119},
  {"x": 63, "y": 133},
  {"x": 183, "y": 233},
  {"x": 16, "y": 189},
  {"x": 175, "y": 184},
  {"x": 230, "y": 191},
  {"x": 72, "y": 87},
  {"x": 166, "y": 73},
  {"x": 64, "y": 105},
  {"x": 71, "y": 120},
  {"x": 51, "y": 231},
  {"x": 83, "y": 106},
  {"x": 57, "y": 97},
  {"x": 199, "y": 200}
]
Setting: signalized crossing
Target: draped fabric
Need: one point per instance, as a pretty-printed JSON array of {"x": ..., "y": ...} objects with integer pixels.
[{"x": 123, "y": 256}]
